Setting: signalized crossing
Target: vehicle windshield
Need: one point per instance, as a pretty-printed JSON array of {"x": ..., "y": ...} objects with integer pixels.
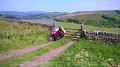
[{"x": 54, "y": 28}]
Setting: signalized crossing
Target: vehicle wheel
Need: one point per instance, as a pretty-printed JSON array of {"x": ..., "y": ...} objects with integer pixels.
[{"x": 51, "y": 38}]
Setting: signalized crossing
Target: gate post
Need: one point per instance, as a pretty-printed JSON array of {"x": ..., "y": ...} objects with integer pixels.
[{"x": 81, "y": 31}]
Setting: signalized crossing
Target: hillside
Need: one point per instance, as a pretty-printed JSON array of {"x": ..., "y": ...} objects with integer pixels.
[
  {"x": 45, "y": 16},
  {"x": 17, "y": 14},
  {"x": 107, "y": 19},
  {"x": 31, "y": 14},
  {"x": 79, "y": 13}
]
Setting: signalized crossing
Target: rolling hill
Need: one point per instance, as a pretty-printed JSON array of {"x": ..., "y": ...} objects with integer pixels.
[
  {"x": 31, "y": 14},
  {"x": 82, "y": 13},
  {"x": 109, "y": 19}
]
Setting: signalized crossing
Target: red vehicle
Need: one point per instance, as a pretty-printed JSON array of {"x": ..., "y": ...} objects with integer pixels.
[{"x": 56, "y": 33}]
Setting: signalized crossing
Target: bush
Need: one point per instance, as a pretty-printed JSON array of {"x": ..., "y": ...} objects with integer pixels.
[{"x": 70, "y": 20}]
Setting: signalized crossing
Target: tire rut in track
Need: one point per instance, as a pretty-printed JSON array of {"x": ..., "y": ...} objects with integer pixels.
[
  {"x": 22, "y": 51},
  {"x": 43, "y": 59}
]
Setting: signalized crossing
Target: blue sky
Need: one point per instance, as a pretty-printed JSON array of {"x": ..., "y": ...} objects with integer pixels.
[{"x": 58, "y": 5}]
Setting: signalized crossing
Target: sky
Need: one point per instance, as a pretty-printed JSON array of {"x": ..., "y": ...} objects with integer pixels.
[{"x": 58, "y": 5}]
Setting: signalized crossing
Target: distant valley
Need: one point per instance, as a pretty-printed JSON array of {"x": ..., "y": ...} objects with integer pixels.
[{"x": 103, "y": 18}]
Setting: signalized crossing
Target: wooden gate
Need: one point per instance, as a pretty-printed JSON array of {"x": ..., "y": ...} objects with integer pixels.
[{"x": 73, "y": 34}]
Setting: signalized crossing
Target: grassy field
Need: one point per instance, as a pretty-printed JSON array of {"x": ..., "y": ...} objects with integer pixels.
[
  {"x": 85, "y": 53},
  {"x": 81, "y": 53},
  {"x": 15, "y": 61},
  {"x": 16, "y": 36},
  {"x": 88, "y": 17},
  {"x": 85, "y": 27}
]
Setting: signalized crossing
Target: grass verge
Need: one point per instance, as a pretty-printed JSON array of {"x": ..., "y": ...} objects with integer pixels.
[{"x": 85, "y": 53}]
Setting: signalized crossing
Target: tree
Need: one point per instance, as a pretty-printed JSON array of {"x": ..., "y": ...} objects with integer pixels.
[
  {"x": 1, "y": 15},
  {"x": 118, "y": 11},
  {"x": 70, "y": 20}
]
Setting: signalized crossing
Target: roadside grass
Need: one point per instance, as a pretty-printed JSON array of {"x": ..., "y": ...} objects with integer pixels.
[
  {"x": 15, "y": 61},
  {"x": 15, "y": 36},
  {"x": 85, "y": 53}
]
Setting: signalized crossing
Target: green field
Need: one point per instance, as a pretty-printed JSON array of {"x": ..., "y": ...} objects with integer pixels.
[
  {"x": 16, "y": 36},
  {"x": 85, "y": 53},
  {"x": 85, "y": 27},
  {"x": 88, "y": 17}
]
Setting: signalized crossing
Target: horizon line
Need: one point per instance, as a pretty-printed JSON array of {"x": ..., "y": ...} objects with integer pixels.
[{"x": 60, "y": 11}]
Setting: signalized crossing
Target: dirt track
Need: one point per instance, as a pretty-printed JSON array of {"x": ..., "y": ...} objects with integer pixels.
[
  {"x": 43, "y": 59},
  {"x": 22, "y": 51}
]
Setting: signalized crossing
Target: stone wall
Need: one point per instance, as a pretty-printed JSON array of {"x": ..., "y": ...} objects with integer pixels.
[
  {"x": 99, "y": 36},
  {"x": 29, "y": 23}
]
